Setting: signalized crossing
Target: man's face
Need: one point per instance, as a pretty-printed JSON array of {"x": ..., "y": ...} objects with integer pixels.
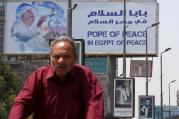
[
  {"x": 147, "y": 102},
  {"x": 62, "y": 58}
]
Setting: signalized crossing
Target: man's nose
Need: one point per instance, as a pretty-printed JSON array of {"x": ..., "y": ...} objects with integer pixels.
[{"x": 61, "y": 60}]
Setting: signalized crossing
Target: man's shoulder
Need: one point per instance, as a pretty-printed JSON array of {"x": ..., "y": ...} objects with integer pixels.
[
  {"x": 85, "y": 72},
  {"x": 81, "y": 71},
  {"x": 44, "y": 70}
]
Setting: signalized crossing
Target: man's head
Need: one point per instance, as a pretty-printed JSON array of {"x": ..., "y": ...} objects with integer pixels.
[
  {"x": 62, "y": 55},
  {"x": 28, "y": 17},
  {"x": 147, "y": 102}
]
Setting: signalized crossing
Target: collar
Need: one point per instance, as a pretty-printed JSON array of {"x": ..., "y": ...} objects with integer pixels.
[{"x": 51, "y": 73}]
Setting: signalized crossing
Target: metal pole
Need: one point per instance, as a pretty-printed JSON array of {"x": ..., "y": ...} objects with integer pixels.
[
  {"x": 124, "y": 43},
  {"x": 161, "y": 83},
  {"x": 169, "y": 100},
  {"x": 146, "y": 73},
  {"x": 169, "y": 96},
  {"x": 161, "y": 93},
  {"x": 146, "y": 55},
  {"x": 69, "y": 18}
]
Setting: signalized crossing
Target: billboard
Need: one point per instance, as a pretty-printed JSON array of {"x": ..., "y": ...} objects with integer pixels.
[
  {"x": 31, "y": 25},
  {"x": 98, "y": 65},
  {"x": 124, "y": 92},
  {"x": 146, "y": 107},
  {"x": 101, "y": 25},
  {"x": 138, "y": 68}
]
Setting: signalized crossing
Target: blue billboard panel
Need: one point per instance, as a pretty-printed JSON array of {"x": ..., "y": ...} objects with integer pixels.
[{"x": 97, "y": 65}]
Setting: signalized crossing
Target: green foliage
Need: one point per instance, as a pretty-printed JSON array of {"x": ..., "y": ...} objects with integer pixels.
[{"x": 9, "y": 86}]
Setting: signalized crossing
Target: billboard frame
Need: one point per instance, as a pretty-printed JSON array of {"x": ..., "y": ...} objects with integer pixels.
[
  {"x": 142, "y": 106},
  {"x": 124, "y": 108},
  {"x": 80, "y": 50}
]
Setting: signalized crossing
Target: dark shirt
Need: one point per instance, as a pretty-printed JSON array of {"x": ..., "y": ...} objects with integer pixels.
[
  {"x": 79, "y": 96},
  {"x": 149, "y": 111}
]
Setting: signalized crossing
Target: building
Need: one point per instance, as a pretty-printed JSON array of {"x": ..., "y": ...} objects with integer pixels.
[{"x": 174, "y": 112}]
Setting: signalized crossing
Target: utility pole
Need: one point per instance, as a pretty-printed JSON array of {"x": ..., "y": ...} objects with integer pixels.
[
  {"x": 146, "y": 49},
  {"x": 169, "y": 97},
  {"x": 124, "y": 43},
  {"x": 161, "y": 82},
  {"x": 69, "y": 18}
]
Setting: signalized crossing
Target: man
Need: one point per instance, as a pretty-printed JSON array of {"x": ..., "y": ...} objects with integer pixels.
[
  {"x": 63, "y": 90},
  {"x": 122, "y": 92},
  {"x": 146, "y": 109}
]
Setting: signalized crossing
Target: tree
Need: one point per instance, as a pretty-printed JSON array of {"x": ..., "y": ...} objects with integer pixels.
[{"x": 10, "y": 83}]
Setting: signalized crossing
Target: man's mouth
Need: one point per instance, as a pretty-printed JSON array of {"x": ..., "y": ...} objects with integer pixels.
[{"x": 60, "y": 68}]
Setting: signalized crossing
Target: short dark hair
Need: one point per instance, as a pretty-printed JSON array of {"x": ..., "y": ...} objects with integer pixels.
[{"x": 64, "y": 39}]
